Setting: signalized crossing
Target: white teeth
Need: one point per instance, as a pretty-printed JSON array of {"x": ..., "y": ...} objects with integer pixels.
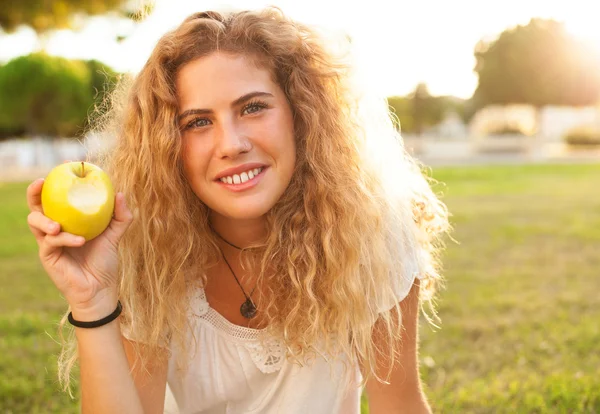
[{"x": 243, "y": 177}]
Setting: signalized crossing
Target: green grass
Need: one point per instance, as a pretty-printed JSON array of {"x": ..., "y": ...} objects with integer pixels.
[
  {"x": 30, "y": 308},
  {"x": 520, "y": 328},
  {"x": 520, "y": 316}
]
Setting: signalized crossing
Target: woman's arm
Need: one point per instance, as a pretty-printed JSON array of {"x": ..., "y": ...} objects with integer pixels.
[
  {"x": 151, "y": 385},
  {"x": 404, "y": 393},
  {"x": 86, "y": 273},
  {"x": 107, "y": 385}
]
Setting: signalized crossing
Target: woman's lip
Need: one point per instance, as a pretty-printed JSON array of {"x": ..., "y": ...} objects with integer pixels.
[
  {"x": 244, "y": 186},
  {"x": 240, "y": 169}
]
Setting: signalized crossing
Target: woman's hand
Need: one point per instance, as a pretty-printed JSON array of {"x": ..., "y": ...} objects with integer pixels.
[{"x": 84, "y": 272}]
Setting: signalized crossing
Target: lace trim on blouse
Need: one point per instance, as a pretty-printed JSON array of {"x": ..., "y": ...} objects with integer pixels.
[{"x": 267, "y": 354}]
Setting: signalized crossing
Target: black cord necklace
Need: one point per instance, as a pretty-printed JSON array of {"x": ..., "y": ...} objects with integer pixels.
[{"x": 248, "y": 308}]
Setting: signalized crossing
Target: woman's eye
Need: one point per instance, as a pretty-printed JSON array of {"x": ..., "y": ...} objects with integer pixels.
[
  {"x": 251, "y": 108},
  {"x": 254, "y": 107},
  {"x": 197, "y": 123}
]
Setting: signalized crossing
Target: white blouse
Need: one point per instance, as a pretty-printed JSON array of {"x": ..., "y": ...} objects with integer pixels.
[{"x": 231, "y": 372}]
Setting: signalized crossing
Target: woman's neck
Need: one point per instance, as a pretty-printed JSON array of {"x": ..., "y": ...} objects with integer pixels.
[{"x": 240, "y": 233}]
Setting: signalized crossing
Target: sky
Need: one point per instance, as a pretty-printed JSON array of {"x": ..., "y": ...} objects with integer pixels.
[{"x": 397, "y": 43}]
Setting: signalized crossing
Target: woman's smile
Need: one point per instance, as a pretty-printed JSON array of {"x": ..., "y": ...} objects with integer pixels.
[{"x": 244, "y": 181}]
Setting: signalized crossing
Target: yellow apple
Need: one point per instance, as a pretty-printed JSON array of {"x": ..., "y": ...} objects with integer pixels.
[{"x": 80, "y": 197}]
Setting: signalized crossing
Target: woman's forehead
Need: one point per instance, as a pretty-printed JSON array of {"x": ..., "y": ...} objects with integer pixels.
[{"x": 221, "y": 76}]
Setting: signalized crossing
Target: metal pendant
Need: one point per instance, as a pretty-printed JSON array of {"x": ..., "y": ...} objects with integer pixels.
[{"x": 248, "y": 309}]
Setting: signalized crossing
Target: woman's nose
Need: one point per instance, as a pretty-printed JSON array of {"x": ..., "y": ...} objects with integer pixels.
[{"x": 231, "y": 141}]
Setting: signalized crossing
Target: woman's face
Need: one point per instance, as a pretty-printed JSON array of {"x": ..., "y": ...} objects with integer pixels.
[{"x": 239, "y": 150}]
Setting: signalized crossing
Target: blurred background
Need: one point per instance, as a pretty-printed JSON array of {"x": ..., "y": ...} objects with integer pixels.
[{"x": 500, "y": 99}]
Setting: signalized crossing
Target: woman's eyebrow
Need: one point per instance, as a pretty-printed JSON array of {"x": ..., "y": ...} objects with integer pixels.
[{"x": 238, "y": 101}]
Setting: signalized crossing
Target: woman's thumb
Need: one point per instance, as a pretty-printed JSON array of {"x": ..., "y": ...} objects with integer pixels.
[{"x": 122, "y": 217}]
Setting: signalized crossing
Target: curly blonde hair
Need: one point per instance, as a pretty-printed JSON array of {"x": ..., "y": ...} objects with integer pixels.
[{"x": 358, "y": 212}]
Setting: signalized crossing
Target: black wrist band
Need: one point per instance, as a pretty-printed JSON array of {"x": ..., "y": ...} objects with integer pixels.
[{"x": 100, "y": 322}]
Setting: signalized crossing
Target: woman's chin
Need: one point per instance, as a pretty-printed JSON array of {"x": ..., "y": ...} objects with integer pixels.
[{"x": 243, "y": 212}]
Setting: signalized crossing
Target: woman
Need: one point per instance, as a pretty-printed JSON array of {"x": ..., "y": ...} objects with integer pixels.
[{"x": 267, "y": 259}]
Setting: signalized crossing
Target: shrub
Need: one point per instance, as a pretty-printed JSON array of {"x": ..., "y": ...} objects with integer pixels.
[
  {"x": 587, "y": 136},
  {"x": 49, "y": 96},
  {"x": 507, "y": 131}
]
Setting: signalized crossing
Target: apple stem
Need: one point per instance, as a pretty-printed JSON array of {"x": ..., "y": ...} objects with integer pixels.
[{"x": 82, "y": 170}]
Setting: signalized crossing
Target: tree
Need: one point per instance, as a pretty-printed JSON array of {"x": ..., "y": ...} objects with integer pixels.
[
  {"x": 45, "y": 15},
  {"x": 50, "y": 96},
  {"x": 421, "y": 106},
  {"x": 420, "y": 109},
  {"x": 400, "y": 107},
  {"x": 537, "y": 64},
  {"x": 102, "y": 79}
]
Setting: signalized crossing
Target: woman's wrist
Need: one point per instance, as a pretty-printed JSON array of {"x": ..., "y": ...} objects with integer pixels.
[{"x": 100, "y": 307}]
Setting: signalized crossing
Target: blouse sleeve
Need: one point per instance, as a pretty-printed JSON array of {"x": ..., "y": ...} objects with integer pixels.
[
  {"x": 411, "y": 260},
  {"x": 129, "y": 332},
  {"x": 400, "y": 284}
]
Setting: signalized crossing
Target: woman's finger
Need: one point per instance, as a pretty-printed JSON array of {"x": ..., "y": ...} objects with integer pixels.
[
  {"x": 122, "y": 218},
  {"x": 41, "y": 225},
  {"x": 53, "y": 243},
  {"x": 34, "y": 195}
]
